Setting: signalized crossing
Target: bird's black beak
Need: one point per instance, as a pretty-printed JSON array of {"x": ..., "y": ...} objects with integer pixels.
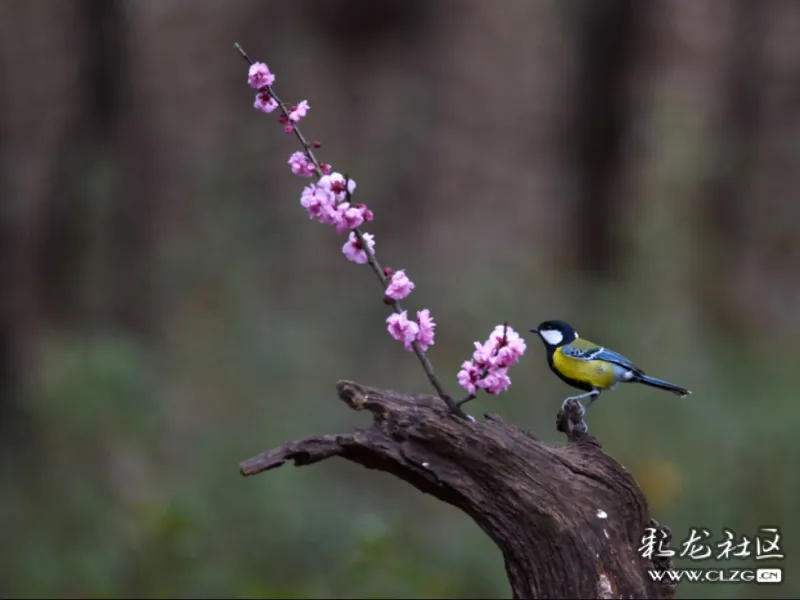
[{"x": 534, "y": 330}]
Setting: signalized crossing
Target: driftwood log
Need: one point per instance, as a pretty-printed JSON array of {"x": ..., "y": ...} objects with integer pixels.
[{"x": 569, "y": 520}]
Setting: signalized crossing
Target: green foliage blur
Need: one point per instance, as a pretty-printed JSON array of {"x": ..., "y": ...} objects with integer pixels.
[{"x": 134, "y": 490}]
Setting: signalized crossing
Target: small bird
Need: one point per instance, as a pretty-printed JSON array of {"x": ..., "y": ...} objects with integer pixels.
[{"x": 587, "y": 366}]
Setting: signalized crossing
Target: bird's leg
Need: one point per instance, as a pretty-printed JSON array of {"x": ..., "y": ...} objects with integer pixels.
[
  {"x": 576, "y": 399},
  {"x": 593, "y": 395},
  {"x": 582, "y": 396}
]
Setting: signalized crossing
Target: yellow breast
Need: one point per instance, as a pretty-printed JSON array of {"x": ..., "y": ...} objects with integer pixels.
[{"x": 595, "y": 372}]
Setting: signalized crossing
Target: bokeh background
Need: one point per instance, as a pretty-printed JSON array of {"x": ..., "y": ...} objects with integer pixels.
[{"x": 168, "y": 309}]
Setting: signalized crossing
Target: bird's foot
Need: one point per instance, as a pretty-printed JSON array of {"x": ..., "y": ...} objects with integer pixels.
[
  {"x": 575, "y": 400},
  {"x": 570, "y": 419}
]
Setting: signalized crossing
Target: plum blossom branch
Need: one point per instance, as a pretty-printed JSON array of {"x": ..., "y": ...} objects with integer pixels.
[
  {"x": 488, "y": 369},
  {"x": 329, "y": 201}
]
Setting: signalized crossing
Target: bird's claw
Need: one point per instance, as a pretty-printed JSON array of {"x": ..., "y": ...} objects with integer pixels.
[
  {"x": 570, "y": 419},
  {"x": 578, "y": 402},
  {"x": 574, "y": 410}
]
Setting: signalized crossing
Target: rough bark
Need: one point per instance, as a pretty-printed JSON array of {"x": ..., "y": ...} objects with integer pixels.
[{"x": 569, "y": 520}]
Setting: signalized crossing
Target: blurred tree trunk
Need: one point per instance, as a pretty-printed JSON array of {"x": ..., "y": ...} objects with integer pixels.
[
  {"x": 607, "y": 42},
  {"x": 13, "y": 417},
  {"x": 37, "y": 71},
  {"x": 95, "y": 261},
  {"x": 370, "y": 41},
  {"x": 121, "y": 125},
  {"x": 727, "y": 189},
  {"x": 75, "y": 221}
]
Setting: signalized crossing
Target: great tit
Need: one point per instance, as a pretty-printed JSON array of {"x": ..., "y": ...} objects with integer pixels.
[{"x": 590, "y": 367}]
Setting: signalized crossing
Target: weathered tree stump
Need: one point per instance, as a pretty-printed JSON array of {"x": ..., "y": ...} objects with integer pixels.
[{"x": 569, "y": 520}]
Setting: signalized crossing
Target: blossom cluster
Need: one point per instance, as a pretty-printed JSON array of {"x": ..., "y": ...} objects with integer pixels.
[
  {"x": 407, "y": 331},
  {"x": 329, "y": 201},
  {"x": 261, "y": 78},
  {"x": 488, "y": 368}
]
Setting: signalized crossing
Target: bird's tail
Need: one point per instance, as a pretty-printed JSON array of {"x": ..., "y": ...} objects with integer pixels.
[{"x": 663, "y": 385}]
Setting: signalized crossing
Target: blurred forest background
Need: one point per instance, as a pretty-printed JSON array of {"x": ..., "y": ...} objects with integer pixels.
[{"x": 168, "y": 309}]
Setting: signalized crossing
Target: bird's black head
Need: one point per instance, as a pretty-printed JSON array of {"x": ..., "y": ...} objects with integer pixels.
[{"x": 555, "y": 333}]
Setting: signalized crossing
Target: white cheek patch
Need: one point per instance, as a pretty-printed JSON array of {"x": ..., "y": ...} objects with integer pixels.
[{"x": 551, "y": 336}]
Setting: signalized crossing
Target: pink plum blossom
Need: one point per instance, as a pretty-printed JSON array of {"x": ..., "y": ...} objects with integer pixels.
[
  {"x": 319, "y": 202},
  {"x": 426, "y": 329},
  {"x": 402, "y": 329},
  {"x": 299, "y": 111},
  {"x": 301, "y": 165},
  {"x": 264, "y": 102},
  {"x": 337, "y": 184},
  {"x": 365, "y": 212},
  {"x": 488, "y": 368},
  {"x": 352, "y": 248},
  {"x": 468, "y": 376},
  {"x": 259, "y": 76},
  {"x": 347, "y": 217},
  {"x": 510, "y": 350},
  {"x": 495, "y": 382},
  {"x": 399, "y": 286},
  {"x": 482, "y": 356}
]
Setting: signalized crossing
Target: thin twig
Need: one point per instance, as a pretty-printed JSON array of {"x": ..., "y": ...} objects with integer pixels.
[{"x": 371, "y": 258}]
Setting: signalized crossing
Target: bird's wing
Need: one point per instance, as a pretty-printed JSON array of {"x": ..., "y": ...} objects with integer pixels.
[
  {"x": 583, "y": 353},
  {"x": 592, "y": 352}
]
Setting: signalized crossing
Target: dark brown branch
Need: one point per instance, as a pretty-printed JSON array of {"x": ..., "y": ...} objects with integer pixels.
[{"x": 569, "y": 520}]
